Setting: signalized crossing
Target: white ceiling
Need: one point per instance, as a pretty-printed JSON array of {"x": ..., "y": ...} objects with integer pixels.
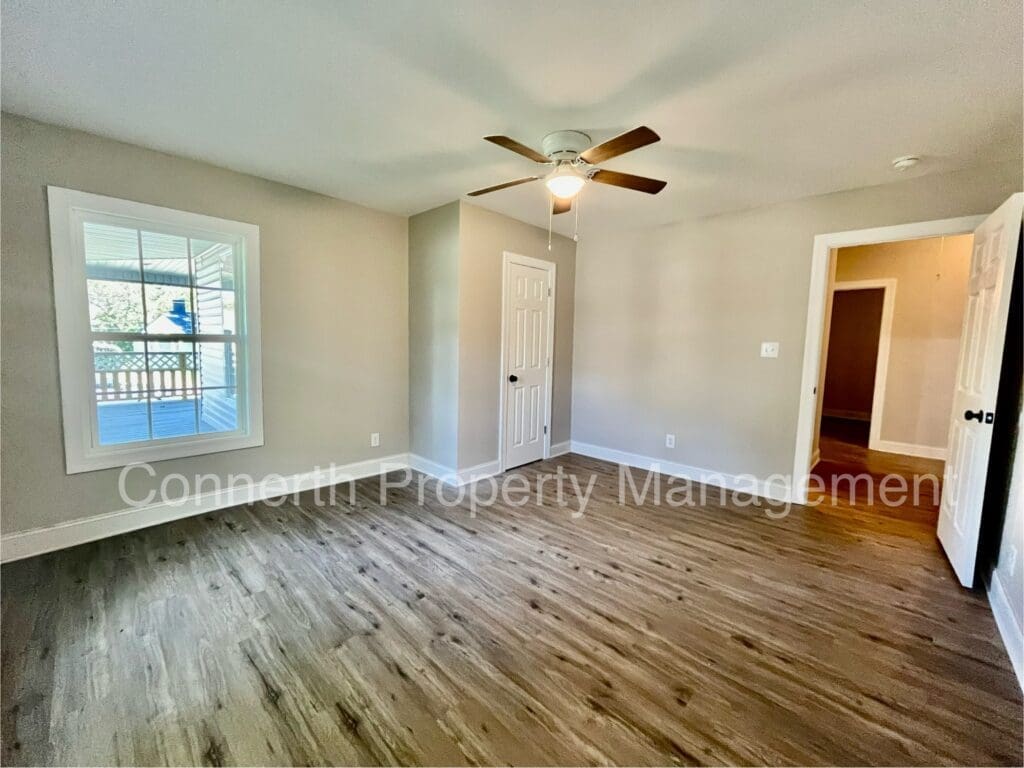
[{"x": 384, "y": 102}]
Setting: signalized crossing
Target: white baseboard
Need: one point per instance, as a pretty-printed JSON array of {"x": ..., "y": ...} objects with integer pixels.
[
  {"x": 16, "y": 546},
  {"x": 558, "y": 449},
  {"x": 776, "y": 489},
  {"x": 453, "y": 477},
  {"x": 1009, "y": 629},
  {"x": 468, "y": 475},
  {"x": 432, "y": 468},
  {"x": 908, "y": 449},
  {"x": 479, "y": 472}
]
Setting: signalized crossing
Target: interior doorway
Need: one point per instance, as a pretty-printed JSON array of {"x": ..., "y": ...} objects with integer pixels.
[
  {"x": 855, "y": 354},
  {"x": 890, "y": 347},
  {"x": 885, "y": 446},
  {"x": 971, "y": 427},
  {"x": 863, "y": 426}
]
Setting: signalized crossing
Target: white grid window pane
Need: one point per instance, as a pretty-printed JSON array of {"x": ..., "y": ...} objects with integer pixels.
[{"x": 167, "y": 324}]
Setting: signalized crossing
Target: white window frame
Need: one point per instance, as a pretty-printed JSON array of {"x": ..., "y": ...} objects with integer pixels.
[{"x": 69, "y": 209}]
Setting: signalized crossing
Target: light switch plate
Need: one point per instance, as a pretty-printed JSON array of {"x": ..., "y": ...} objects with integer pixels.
[
  {"x": 670, "y": 441},
  {"x": 769, "y": 349},
  {"x": 374, "y": 439}
]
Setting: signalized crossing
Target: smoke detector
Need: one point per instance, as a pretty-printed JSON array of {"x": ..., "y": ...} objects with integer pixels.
[{"x": 905, "y": 163}]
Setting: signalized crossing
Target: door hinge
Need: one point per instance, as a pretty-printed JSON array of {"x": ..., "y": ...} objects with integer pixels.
[
  {"x": 549, "y": 291},
  {"x": 545, "y": 429}
]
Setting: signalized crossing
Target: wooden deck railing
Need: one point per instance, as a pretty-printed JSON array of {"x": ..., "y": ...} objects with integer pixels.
[{"x": 123, "y": 375}]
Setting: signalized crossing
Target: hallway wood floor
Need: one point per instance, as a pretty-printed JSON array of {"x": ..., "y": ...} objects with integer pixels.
[
  {"x": 845, "y": 452},
  {"x": 355, "y": 633}
]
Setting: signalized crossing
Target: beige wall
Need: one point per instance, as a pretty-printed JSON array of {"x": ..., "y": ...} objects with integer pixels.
[
  {"x": 485, "y": 236},
  {"x": 434, "y": 334},
  {"x": 334, "y": 317},
  {"x": 455, "y": 417},
  {"x": 852, "y": 353},
  {"x": 931, "y": 293},
  {"x": 669, "y": 322}
]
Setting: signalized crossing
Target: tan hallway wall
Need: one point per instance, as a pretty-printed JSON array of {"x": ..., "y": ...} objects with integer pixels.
[{"x": 931, "y": 293}]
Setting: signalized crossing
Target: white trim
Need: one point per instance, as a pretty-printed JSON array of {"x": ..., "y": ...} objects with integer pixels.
[
  {"x": 432, "y": 468},
  {"x": 1009, "y": 629},
  {"x": 888, "y": 287},
  {"x": 508, "y": 257},
  {"x": 16, "y": 546},
  {"x": 910, "y": 449},
  {"x": 776, "y": 489},
  {"x": 449, "y": 476},
  {"x": 478, "y": 472},
  {"x": 82, "y": 452},
  {"x": 818, "y": 290},
  {"x": 558, "y": 449}
]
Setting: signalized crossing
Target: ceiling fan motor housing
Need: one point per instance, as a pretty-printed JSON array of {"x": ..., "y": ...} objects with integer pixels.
[{"x": 565, "y": 145}]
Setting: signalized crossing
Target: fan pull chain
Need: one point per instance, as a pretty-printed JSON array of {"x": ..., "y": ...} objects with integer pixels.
[
  {"x": 579, "y": 204},
  {"x": 551, "y": 215}
]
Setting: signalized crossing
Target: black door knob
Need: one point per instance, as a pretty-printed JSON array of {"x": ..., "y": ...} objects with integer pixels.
[
  {"x": 513, "y": 378},
  {"x": 979, "y": 415}
]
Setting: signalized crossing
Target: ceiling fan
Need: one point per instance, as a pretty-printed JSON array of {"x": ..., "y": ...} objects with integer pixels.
[{"x": 574, "y": 162}]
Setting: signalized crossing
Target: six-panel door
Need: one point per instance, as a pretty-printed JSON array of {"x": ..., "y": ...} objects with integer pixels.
[{"x": 526, "y": 361}]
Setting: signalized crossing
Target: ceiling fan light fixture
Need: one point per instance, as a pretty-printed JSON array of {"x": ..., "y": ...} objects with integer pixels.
[{"x": 565, "y": 182}]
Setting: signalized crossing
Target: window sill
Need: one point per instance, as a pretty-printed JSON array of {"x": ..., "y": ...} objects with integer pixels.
[{"x": 112, "y": 457}]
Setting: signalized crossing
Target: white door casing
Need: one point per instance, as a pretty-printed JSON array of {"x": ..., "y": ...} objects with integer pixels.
[
  {"x": 526, "y": 360},
  {"x": 824, "y": 244},
  {"x": 977, "y": 383}
]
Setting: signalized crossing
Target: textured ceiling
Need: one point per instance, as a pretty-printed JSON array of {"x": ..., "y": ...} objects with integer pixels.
[{"x": 385, "y": 103}]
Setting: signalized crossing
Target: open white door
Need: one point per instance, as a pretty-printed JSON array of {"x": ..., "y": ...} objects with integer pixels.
[
  {"x": 977, "y": 383},
  {"x": 527, "y": 350}
]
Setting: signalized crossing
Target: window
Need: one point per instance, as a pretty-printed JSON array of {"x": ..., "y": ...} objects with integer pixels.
[{"x": 157, "y": 329}]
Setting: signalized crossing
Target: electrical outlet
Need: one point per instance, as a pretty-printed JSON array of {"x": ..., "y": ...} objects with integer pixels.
[
  {"x": 670, "y": 441},
  {"x": 769, "y": 349},
  {"x": 374, "y": 439}
]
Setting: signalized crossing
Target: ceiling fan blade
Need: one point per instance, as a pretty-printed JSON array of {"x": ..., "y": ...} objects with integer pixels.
[
  {"x": 515, "y": 146},
  {"x": 620, "y": 145},
  {"x": 629, "y": 181},
  {"x": 496, "y": 187},
  {"x": 558, "y": 205}
]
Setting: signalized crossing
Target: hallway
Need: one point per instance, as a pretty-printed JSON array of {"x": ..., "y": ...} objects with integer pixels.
[{"x": 844, "y": 453}]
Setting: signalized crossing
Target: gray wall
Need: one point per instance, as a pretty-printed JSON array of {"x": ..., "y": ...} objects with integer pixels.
[
  {"x": 669, "y": 322},
  {"x": 334, "y": 318},
  {"x": 484, "y": 237},
  {"x": 434, "y": 334},
  {"x": 455, "y": 273}
]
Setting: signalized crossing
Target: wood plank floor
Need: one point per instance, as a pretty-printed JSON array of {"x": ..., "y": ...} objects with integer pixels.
[
  {"x": 357, "y": 633},
  {"x": 845, "y": 452}
]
